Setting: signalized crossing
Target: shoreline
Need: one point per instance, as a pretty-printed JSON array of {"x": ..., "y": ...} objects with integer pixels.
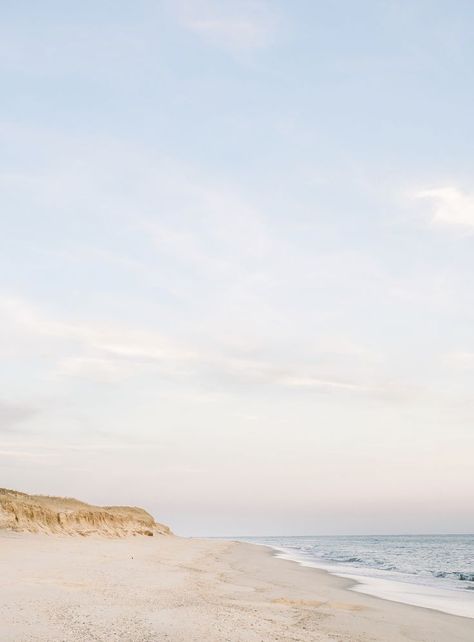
[
  {"x": 448, "y": 601},
  {"x": 76, "y": 589}
]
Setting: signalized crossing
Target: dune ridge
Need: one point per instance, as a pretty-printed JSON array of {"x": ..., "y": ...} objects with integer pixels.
[{"x": 67, "y": 516}]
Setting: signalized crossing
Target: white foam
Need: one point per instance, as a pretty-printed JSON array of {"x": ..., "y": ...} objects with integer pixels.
[
  {"x": 454, "y": 602},
  {"x": 430, "y": 597}
]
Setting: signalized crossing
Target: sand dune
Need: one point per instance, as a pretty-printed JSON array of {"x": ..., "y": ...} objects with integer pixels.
[{"x": 62, "y": 515}]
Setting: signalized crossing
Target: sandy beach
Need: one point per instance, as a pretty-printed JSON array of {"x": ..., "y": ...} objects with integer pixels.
[{"x": 143, "y": 589}]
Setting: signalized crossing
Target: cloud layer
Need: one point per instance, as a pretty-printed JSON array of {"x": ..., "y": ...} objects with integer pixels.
[
  {"x": 216, "y": 297},
  {"x": 450, "y": 206},
  {"x": 236, "y": 26}
]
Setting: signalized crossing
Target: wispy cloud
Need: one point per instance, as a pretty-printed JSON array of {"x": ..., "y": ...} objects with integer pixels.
[
  {"x": 115, "y": 353},
  {"x": 12, "y": 414},
  {"x": 313, "y": 383},
  {"x": 449, "y": 206},
  {"x": 91, "y": 350},
  {"x": 237, "y": 25},
  {"x": 463, "y": 359},
  {"x": 21, "y": 454}
]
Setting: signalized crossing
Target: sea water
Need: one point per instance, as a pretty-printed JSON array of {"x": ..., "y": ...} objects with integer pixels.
[{"x": 433, "y": 571}]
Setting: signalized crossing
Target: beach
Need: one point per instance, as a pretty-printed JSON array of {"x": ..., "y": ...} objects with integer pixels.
[
  {"x": 144, "y": 589},
  {"x": 236, "y": 321}
]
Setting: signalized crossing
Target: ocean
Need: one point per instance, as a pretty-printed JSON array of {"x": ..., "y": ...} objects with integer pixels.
[{"x": 433, "y": 571}]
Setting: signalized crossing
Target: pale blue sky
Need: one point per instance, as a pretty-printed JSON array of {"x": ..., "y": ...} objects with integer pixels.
[{"x": 236, "y": 261}]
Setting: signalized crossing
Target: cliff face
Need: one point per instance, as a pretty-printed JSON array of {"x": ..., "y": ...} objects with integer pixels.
[{"x": 61, "y": 515}]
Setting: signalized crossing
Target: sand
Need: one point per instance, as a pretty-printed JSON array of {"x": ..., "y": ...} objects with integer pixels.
[{"x": 160, "y": 588}]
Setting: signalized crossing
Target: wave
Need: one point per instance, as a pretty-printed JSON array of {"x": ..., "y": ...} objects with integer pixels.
[
  {"x": 457, "y": 575},
  {"x": 349, "y": 560}
]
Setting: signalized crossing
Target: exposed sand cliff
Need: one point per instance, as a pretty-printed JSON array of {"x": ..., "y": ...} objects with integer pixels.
[{"x": 62, "y": 515}]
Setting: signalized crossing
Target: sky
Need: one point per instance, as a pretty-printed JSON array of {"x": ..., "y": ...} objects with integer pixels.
[{"x": 237, "y": 261}]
